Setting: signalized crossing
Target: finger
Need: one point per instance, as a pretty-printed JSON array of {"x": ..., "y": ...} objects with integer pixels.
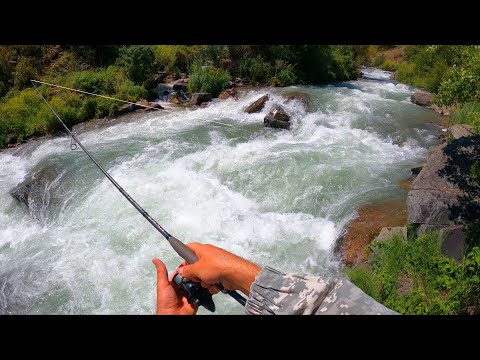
[
  {"x": 162, "y": 274},
  {"x": 206, "y": 285},
  {"x": 195, "y": 247},
  {"x": 189, "y": 271},
  {"x": 214, "y": 289}
]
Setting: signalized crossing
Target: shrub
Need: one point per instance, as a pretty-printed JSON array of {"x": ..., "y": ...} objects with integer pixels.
[
  {"x": 137, "y": 62},
  {"x": 389, "y": 65},
  {"x": 413, "y": 277},
  {"x": 468, "y": 113},
  {"x": 284, "y": 74},
  {"x": 24, "y": 71},
  {"x": 256, "y": 69},
  {"x": 175, "y": 58},
  {"x": 378, "y": 61},
  {"x": 208, "y": 79}
]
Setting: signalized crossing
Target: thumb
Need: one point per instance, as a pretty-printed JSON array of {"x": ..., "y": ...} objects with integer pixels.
[{"x": 162, "y": 274}]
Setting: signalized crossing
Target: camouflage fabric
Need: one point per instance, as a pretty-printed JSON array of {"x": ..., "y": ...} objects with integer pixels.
[{"x": 276, "y": 293}]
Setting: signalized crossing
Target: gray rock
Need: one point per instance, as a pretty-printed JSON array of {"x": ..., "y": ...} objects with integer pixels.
[
  {"x": 34, "y": 193},
  {"x": 124, "y": 109},
  {"x": 11, "y": 138},
  {"x": 453, "y": 241},
  {"x": 388, "y": 232},
  {"x": 257, "y": 105},
  {"x": 180, "y": 85},
  {"x": 277, "y": 118},
  {"x": 463, "y": 130},
  {"x": 422, "y": 98},
  {"x": 153, "y": 106},
  {"x": 444, "y": 192},
  {"x": 155, "y": 79},
  {"x": 198, "y": 98},
  {"x": 431, "y": 195}
]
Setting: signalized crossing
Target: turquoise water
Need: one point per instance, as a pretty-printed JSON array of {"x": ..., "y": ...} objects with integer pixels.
[{"x": 278, "y": 198}]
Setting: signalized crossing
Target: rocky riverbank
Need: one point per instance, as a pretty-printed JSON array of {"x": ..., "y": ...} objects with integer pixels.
[{"x": 443, "y": 195}]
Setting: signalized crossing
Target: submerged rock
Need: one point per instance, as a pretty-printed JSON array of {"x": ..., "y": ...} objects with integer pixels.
[
  {"x": 257, "y": 105},
  {"x": 304, "y": 98},
  {"x": 34, "y": 192},
  {"x": 277, "y": 118}
]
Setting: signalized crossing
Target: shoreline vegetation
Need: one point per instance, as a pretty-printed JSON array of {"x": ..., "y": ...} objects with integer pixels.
[
  {"x": 132, "y": 72},
  {"x": 406, "y": 268},
  {"x": 431, "y": 264}
]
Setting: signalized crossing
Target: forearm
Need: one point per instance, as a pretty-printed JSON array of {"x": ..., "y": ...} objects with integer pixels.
[{"x": 274, "y": 292}]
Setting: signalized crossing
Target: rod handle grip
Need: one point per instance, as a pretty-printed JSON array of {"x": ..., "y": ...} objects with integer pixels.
[{"x": 183, "y": 250}]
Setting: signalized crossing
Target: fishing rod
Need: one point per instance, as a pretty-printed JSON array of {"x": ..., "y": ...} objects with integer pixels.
[{"x": 195, "y": 293}]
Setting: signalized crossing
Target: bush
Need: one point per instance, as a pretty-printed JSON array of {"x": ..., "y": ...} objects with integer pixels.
[
  {"x": 175, "y": 58},
  {"x": 378, "y": 61},
  {"x": 24, "y": 113},
  {"x": 284, "y": 74},
  {"x": 208, "y": 79},
  {"x": 413, "y": 277},
  {"x": 468, "y": 113},
  {"x": 256, "y": 69},
  {"x": 137, "y": 62},
  {"x": 389, "y": 65}
]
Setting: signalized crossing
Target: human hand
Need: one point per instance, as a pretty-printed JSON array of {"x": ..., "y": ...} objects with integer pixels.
[
  {"x": 170, "y": 301},
  {"x": 216, "y": 265}
]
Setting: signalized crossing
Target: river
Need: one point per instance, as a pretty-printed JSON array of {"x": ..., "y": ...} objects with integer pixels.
[{"x": 278, "y": 198}]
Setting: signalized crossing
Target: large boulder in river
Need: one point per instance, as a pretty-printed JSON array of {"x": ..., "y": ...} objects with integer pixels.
[
  {"x": 422, "y": 98},
  {"x": 34, "y": 192},
  {"x": 445, "y": 191},
  {"x": 198, "y": 98},
  {"x": 257, "y": 105},
  {"x": 277, "y": 118}
]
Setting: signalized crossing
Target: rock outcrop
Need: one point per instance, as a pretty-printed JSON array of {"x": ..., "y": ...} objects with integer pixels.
[
  {"x": 257, "y": 105},
  {"x": 277, "y": 118},
  {"x": 461, "y": 130},
  {"x": 445, "y": 195}
]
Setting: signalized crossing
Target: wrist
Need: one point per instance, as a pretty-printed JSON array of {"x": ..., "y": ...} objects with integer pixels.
[{"x": 241, "y": 274}]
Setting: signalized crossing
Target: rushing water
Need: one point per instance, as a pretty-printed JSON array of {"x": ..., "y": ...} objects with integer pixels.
[{"x": 279, "y": 198}]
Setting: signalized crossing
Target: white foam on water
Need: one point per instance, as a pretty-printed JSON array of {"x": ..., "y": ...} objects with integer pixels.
[{"x": 278, "y": 198}]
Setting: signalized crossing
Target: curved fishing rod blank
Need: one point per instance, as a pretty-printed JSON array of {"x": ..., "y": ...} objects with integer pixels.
[{"x": 179, "y": 247}]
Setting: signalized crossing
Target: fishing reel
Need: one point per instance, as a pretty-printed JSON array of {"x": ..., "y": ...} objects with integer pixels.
[{"x": 195, "y": 293}]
